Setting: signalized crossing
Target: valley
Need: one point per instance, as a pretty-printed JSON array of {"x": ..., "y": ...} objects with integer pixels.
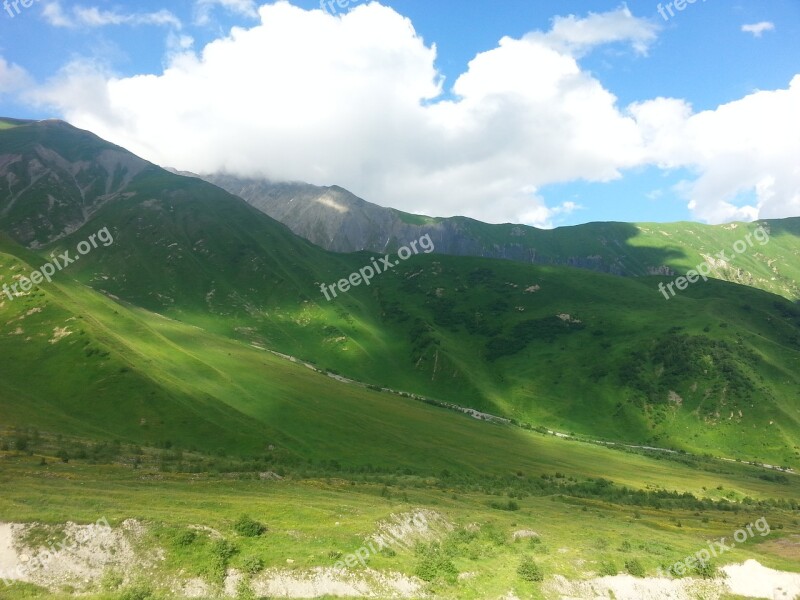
[{"x": 560, "y": 429}]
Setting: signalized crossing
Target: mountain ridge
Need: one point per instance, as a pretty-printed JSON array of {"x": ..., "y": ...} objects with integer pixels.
[
  {"x": 337, "y": 220},
  {"x": 568, "y": 349}
]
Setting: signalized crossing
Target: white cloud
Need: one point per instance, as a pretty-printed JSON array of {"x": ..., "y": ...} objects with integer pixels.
[
  {"x": 356, "y": 100},
  {"x": 13, "y": 78},
  {"x": 352, "y": 100},
  {"x": 746, "y": 148},
  {"x": 204, "y": 8},
  {"x": 758, "y": 29},
  {"x": 81, "y": 16},
  {"x": 578, "y": 35}
]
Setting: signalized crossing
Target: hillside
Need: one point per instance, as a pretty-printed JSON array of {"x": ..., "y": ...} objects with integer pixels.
[
  {"x": 174, "y": 435},
  {"x": 335, "y": 219},
  {"x": 712, "y": 370}
]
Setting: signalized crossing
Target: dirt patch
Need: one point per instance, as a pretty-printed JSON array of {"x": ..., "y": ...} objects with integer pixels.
[
  {"x": 626, "y": 587},
  {"x": 194, "y": 588},
  {"x": 785, "y": 548},
  {"x": 209, "y": 531},
  {"x": 59, "y": 333},
  {"x": 749, "y": 579},
  {"x": 78, "y": 558},
  {"x": 754, "y": 580},
  {"x": 411, "y": 527},
  {"x": 314, "y": 583}
]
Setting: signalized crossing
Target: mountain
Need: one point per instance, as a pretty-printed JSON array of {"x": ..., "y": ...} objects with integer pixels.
[
  {"x": 714, "y": 369},
  {"x": 214, "y": 461},
  {"x": 187, "y": 381},
  {"x": 335, "y": 219}
]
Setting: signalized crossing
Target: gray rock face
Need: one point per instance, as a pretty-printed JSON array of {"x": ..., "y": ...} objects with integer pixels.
[
  {"x": 337, "y": 220},
  {"x": 52, "y": 185}
]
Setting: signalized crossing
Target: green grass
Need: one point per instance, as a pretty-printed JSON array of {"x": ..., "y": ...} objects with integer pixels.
[
  {"x": 196, "y": 389},
  {"x": 714, "y": 370},
  {"x": 311, "y": 520},
  {"x": 138, "y": 385}
]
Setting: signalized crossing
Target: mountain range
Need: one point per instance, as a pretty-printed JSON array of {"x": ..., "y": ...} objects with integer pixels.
[
  {"x": 713, "y": 369},
  {"x": 335, "y": 219},
  {"x": 240, "y": 432}
]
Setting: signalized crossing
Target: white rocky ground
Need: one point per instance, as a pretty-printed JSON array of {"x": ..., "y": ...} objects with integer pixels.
[
  {"x": 749, "y": 579},
  {"x": 76, "y": 555},
  {"x": 93, "y": 550}
]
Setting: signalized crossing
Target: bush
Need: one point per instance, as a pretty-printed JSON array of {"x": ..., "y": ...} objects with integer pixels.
[
  {"x": 608, "y": 569},
  {"x": 185, "y": 538},
  {"x": 221, "y": 553},
  {"x": 247, "y": 527},
  {"x": 223, "y": 550},
  {"x": 253, "y": 565},
  {"x": 706, "y": 570},
  {"x": 137, "y": 593},
  {"x": 433, "y": 563},
  {"x": 111, "y": 581},
  {"x": 244, "y": 591},
  {"x": 529, "y": 570},
  {"x": 634, "y": 567}
]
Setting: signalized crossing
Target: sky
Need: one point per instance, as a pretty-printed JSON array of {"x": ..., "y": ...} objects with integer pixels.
[{"x": 543, "y": 113}]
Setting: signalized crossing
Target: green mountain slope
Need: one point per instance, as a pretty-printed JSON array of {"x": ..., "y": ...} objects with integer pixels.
[
  {"x": 714, "y": 369},
  {"x": 337, "y": 220},
  {"x": 84, "y": 365}
]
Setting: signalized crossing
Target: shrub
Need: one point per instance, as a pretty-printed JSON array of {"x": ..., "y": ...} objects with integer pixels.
[
  {"x": 247, "y": 527},
  {"x": 244, "y": 591},
  {"x": 222, "y": 551},
  {"x": 529, "y": 570},
  {"x": 634, "y": 567},
  {"x": 608, "y": 569},
  {"x": 185, "y": 538},
  {"x": 137, "y": 593},
  {"x": 433, "y": 563},
  {"x": 253, "y": 565},
  {"x": 706, "y": 570},
  {"x": 111, "y": 581}
]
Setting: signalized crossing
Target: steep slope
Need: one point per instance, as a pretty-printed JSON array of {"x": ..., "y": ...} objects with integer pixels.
[
  {"x": 334, "y": 218},
  {"x": 57, "y": 177},
  {"x": 76, "y": 362},
  {"x": 714, "y": 369}
]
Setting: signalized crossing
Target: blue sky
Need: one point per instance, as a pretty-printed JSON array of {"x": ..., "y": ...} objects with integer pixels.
[{"x": 713, "y": 137}]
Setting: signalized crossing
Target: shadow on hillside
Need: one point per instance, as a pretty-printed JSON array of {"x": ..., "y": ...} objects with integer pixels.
[{"x": 606, "y": 248}]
